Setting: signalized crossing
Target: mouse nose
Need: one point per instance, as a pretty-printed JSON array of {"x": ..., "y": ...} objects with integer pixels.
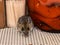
[{"x": 26, "y": 33}]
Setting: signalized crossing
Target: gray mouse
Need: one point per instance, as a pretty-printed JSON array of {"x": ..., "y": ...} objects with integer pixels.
[{"x": 25, "y": 25}]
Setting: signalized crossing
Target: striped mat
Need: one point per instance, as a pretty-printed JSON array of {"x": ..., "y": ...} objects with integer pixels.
[{"x": 10, "y": 36}]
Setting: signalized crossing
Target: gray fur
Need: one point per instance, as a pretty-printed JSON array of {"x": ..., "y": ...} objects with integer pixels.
[{"x": 25, "y": 25}]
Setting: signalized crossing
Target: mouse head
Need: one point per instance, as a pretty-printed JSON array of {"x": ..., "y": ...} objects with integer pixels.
[{"x": 25, "y": 24}]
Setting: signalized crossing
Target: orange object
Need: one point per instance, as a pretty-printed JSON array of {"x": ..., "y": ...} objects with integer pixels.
[
  {"x": 46, "y": 18},
  {"x": 47, "y": 2}
]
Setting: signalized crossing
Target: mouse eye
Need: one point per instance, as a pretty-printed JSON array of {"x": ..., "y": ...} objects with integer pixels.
[
  {"x": 22, "y": 29},
  {"x": 28, "y": 28}
]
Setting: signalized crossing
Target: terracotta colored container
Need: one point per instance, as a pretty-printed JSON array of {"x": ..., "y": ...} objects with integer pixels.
[
  {"x": 45, "y": 16},
  {"x": 2, "y": 14}
]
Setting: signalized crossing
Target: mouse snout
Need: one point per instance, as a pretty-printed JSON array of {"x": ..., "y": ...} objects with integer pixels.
[{"x": 26, "y": 33}]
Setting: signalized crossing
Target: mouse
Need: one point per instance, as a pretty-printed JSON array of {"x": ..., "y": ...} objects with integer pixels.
[{"x": 25, "y": 25}]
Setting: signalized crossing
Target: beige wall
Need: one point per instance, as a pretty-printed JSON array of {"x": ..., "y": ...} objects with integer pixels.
[{"x": 15, "y": 9}]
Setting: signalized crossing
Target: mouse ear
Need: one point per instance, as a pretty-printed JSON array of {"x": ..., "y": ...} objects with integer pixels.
[
  {"x": 29, "y": 19},
  {"x": 20, "y": 20}
]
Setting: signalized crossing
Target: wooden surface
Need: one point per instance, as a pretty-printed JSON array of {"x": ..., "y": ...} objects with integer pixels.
[
  {"x": 2, "y": 14},
  {"x": 10, "y": 36}
]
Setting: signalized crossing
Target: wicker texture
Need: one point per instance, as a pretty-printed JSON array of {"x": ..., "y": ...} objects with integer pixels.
[{"x": 10, "y": 36}]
